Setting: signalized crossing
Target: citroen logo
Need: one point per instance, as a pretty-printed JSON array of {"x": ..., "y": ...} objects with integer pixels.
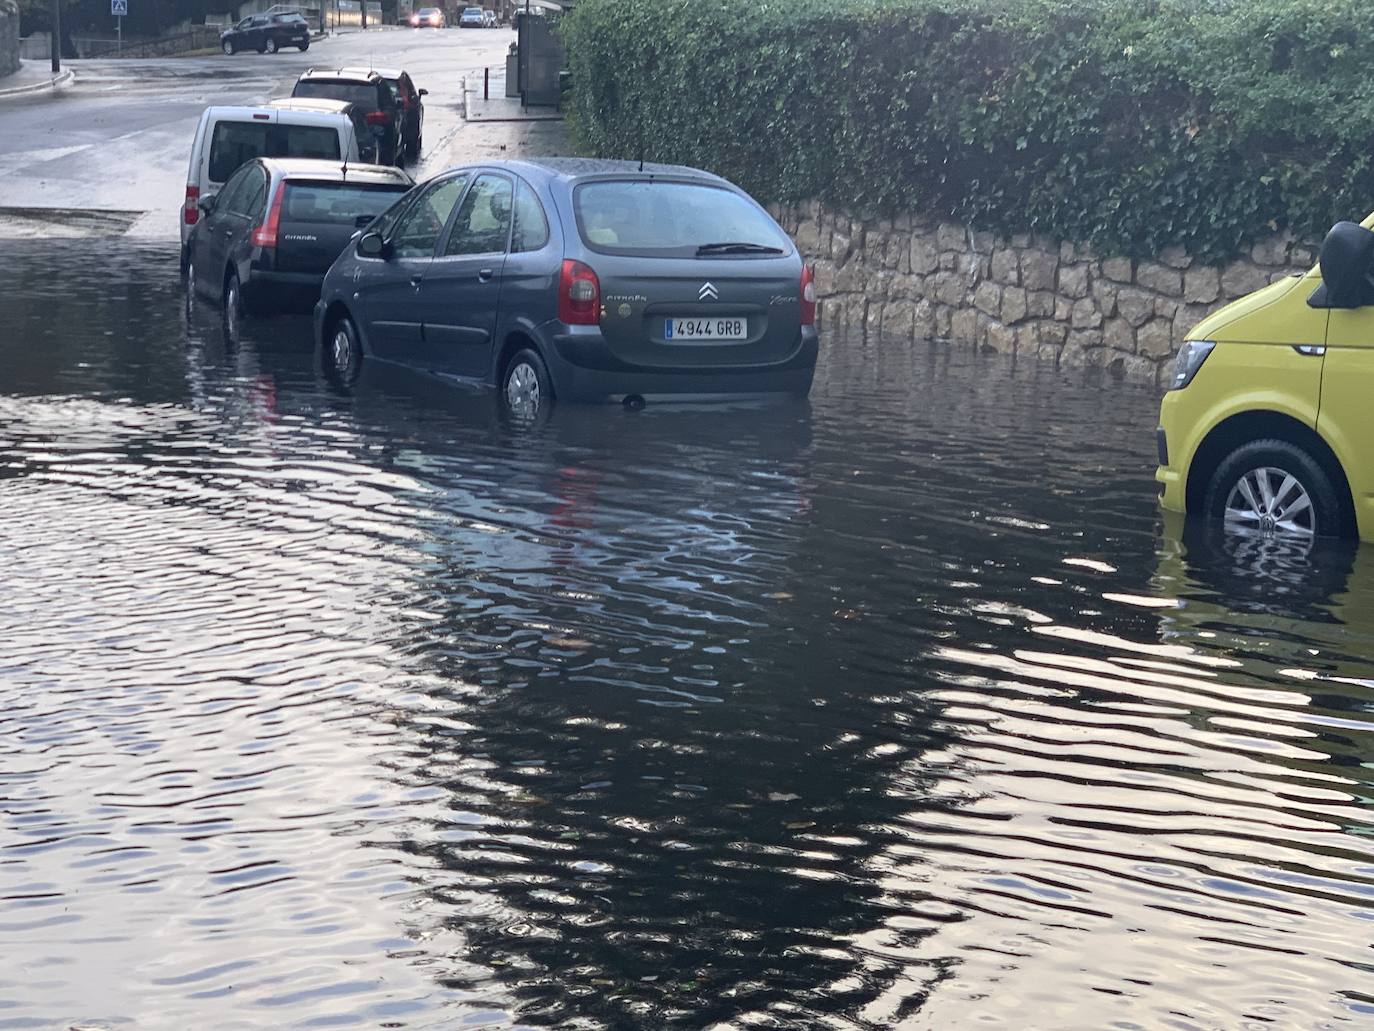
[{"x": 707, "y": 292}]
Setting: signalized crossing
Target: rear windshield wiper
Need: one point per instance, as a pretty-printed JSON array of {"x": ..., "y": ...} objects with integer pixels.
[{"x": 737, "y": 247}]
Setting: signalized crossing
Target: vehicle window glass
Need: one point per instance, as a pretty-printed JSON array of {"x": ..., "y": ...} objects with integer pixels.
[
  {"x": 531, "y": 230},
  {"x": 384, "y": 222},
  {"x": 225, "y": 199},
  {"x": 337, "y": 203},
  {"x": 364, "y": 94},
  {"x": 418, "y": 230},
  {"x": 232, "y": 144},
  {"x": 306, "y": 141},
  {"x": 668, "y": 219},
  {"x": 483, "y": 221},
  {"x": 244, "y": 24},
  {"x": 247, "y": 193}
]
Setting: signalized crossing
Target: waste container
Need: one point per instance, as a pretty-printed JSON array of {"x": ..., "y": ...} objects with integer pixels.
[
  {"x": 513, "y": 72},
  {"x": 540, "y": 56}
]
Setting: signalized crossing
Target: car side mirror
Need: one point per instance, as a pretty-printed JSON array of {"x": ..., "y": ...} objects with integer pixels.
[
  {"x": 1346, "y": 261},
  {"x": 423, "y": 92},
  {"x": 207, "y": 204},
  {"x": 372, "y": 245}
]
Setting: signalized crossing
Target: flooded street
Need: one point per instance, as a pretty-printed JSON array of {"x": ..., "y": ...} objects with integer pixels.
[{"x": 900, "y": 707}]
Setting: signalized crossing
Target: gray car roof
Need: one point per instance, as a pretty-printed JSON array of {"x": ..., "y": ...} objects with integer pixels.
[
  {"x": 575, "y": 168},
  {"x": 333, "y": 171}
]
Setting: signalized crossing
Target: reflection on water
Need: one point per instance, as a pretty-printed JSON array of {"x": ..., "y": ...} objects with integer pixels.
[{"x": 367, "y": 709}]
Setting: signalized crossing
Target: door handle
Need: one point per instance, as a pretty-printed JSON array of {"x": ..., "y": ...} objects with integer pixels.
[{"x": 485, "y": 275}]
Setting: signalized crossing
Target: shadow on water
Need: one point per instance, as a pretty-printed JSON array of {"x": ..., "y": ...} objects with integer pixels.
[{"x": 366, "y": 707}]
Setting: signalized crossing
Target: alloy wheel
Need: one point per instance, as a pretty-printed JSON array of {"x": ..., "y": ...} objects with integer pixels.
[
  {"x": 341, "y": 351},
  {"x": 522, "y": 390},
  {"x": 1272, "y": 503},
  {"x": 232, "y": 308}
]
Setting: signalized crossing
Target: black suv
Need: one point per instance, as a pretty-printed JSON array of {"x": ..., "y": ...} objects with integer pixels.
[
  {"x": 267, "y": 33},
  {"x": 412, "y": 109},
  {"x": 371, "y": 94}
]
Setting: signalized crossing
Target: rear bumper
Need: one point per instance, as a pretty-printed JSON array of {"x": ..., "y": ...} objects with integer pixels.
[
  {"x": 272, "y": 291},
  {"x": 584, "y": 368}
]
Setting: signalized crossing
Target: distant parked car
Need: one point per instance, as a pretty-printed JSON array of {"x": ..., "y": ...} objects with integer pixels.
[
  {"x": 267, "y": 33},
  {"x": 472, "y": 18},
  {"x": 578, "y": 279},
  {"x": 427, "y": 18},
  {"x": 370, "y": 92},
  {"x": 228, "y": 136},
  {"x": 412, "y": 109},
  {"x": 267, "y": 239},
  {"x": 490, "y": 20}
]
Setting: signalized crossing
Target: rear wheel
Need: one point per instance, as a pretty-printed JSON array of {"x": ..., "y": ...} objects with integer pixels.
[
  {"x": 526, "y": 389},
  {"x": 233, "y": 306},
  {"x": 271, "y": 45},
  {"x": 305, "y": 46},
  {"x": 1274, "y": 489},
  {"x": 228, "y": 46}
]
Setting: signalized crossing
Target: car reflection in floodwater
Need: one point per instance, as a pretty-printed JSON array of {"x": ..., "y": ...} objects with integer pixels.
[{"x": 372, "y": 706}]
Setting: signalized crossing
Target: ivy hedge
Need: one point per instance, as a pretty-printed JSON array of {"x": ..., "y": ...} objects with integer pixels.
[{"x": 1132, "y": 126}]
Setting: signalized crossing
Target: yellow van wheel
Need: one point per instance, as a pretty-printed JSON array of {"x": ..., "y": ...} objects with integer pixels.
[{"x": 1273, "y": 488}]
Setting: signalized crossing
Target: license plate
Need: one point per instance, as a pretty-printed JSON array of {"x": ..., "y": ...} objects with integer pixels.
[{"x": 705, "y": 329}]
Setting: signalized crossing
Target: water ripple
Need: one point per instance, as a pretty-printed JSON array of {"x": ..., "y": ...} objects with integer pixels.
[{"x": 900, "y": 708}]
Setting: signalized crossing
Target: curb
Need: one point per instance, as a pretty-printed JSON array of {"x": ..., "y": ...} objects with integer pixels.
[{"x": 61, "y": 79}]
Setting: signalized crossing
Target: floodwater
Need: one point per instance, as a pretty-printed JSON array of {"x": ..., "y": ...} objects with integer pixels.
[{"x": 900, "y": 708}]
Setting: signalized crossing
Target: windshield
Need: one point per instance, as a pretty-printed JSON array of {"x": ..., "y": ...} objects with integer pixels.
[
  {"x": 338, "y": 202},
  {"x": 671, "y": 219},
  {"x": 364, "y": 94}
]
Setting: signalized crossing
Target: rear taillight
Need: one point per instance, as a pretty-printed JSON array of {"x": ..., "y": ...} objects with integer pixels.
[
  {"x": 808, "y": 296},
  {"x": 376, "y": 118},
  {"x": 265, "y": 235},
  {"x": 579, "y": 295},
  {"x": 190, "y": 214}
]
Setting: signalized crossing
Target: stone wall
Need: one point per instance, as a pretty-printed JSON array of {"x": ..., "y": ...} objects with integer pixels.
[
  {"x": 9, "y": 39},
  {"x": 903, "y": 279}
]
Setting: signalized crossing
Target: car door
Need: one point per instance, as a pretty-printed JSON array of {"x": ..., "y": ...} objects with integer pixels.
[
  {"x": 458, "y": 293},
  {"x": 215, "y": 230},
  {"x": 1346, "y": 417},
  {"x": 388, "y": 286}
]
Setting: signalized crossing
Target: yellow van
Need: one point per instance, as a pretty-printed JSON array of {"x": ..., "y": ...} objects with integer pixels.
[{"x": 1268, "y": 424}]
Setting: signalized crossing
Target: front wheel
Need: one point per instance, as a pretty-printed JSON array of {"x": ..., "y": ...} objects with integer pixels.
[
  {"x": 1274, "y": 489},
  {"x": 229, "y": 48},
  {"x": 343, "y": 354},
  {"x": 270, "y": 45},
  {"x": 526, "y": 389},
  {"x": 305, "y": 46}
]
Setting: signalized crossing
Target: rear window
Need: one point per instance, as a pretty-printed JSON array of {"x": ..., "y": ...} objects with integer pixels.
[
  {"x": 233, "y": 143},
  {"x": 337, "y": 202},
  {"x": 364, "y": 94},
  {"x": 669, "y": 219}
]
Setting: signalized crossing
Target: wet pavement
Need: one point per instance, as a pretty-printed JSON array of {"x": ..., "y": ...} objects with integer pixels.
[
  {"x": 116, "y": 142},
  {"x": 900, "y": 707}
]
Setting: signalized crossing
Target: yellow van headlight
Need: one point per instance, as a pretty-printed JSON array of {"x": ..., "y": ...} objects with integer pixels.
[{"x": 1190, "y": 358}]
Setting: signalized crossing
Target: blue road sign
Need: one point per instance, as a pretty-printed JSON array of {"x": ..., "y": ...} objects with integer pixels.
[{"x": 119, "y": 7}]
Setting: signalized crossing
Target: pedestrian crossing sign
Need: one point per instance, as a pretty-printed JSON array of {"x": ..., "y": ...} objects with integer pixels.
[{"x": 119, "y": 7}]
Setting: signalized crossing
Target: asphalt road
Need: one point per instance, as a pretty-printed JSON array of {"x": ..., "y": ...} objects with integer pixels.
[{"x": 119, "y": 138}]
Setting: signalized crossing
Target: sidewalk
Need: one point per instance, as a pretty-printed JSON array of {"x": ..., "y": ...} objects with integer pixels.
[{"x": 34, "y": 77}]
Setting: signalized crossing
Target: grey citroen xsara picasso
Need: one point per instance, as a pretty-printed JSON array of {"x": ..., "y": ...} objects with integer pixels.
[{"x": 576, "y": 279}]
